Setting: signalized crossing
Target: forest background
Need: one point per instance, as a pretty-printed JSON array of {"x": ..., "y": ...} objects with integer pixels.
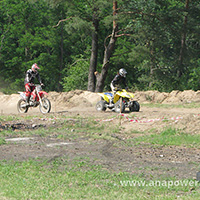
[{"x": 156, "y": 41}]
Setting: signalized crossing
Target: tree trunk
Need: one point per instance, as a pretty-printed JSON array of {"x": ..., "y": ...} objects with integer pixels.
[
  {"x": 93, "y": 58},
  {"x": 152, "y": 64},
  {"x": 107, "y": 53},
  {"x": 61, "y": 59},
  {"x": 183, "y": 39}
]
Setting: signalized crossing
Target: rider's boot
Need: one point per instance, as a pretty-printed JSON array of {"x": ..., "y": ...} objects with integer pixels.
[
  {"x": 27, "y": 100},
  {"x": 111, "y": 101}
]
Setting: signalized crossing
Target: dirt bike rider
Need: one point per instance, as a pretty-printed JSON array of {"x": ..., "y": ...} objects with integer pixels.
[
  {"x": 119, "y": 78},
  {"x": 31, "y": 74}
]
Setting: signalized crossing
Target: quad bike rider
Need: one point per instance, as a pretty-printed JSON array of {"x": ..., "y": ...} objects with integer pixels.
[
  {"x": 119, "y": 99},
  {"x": 119, "y": 78},
  {"x": 31, "y": 74}
]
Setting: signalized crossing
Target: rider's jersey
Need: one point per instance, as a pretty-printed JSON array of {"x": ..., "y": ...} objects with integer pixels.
[
  {"x": 30, "y": 76},
  {"x": 119, "y": 79}
]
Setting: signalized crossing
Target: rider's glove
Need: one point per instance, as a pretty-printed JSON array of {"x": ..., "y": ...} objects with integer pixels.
[{"x": 41, "y": 84}]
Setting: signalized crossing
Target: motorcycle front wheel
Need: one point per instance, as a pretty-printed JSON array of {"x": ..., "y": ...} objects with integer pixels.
[
  {"x": 46, "y": 106},
  {"x": 21, "y": 106}
]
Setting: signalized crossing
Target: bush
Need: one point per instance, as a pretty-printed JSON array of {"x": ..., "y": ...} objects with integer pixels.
[{"x": 77, "y": 76}]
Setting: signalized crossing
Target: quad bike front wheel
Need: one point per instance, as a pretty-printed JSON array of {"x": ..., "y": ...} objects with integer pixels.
[
  {"x": 135, "y": 107},
  {"x": 45, "y": 107},
  {"x": 101, "y": 106},
  {"x": 21, "y": 106},
  {"x": 119, "y": 106}
]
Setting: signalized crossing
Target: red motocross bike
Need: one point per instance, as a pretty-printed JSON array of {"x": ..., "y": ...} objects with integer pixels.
[{"x": 37, "y": 98}]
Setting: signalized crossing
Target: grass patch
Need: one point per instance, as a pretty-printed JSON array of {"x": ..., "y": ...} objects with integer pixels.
[
  {"x": 170, "y": 136},
  {"x": 6, "y": 118},
  {"x": 82, "y": 180},
  {"x": 2, "y": 141},
  {"x": 63, "y": 128}
]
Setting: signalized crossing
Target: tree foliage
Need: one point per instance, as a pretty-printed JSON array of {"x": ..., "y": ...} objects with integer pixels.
[{"x": 157, "y": 42}]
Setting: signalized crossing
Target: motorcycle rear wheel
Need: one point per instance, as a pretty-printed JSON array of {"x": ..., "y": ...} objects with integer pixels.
[
  {"x": 21, "y": 106},
  {"x": 46, "y": 106}
]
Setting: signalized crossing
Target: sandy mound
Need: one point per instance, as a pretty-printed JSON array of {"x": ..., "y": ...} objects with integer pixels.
[
  {"x": 77, "y": 98},
  {"x": 174, "y": 97},
  {"x": 80, "y": 98}
]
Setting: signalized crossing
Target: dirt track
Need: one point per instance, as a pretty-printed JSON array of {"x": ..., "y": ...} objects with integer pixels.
[{"x": 146, "y": 159}]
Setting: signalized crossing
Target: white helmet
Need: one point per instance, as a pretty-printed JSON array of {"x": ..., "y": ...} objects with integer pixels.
[
  {"x": 122, "y": 72},
  {"x": 35, "y": 67}
]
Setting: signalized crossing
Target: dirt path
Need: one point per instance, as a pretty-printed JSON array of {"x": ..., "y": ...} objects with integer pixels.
[
  {"x": 170, "y": 161},
  {"x": 114, "y": 155}
]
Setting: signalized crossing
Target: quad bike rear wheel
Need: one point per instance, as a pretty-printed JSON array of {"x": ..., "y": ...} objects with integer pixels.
[{"x": 21, "y": 106}]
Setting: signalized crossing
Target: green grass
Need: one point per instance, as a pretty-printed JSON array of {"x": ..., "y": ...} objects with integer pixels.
[
  {"x": 81, "y": 180},
  {"x": 64, "y": 128},
  {"x": 5, "y": 118},
  {"x": 8, "y": 118},
  {"x": 170, "y": 136},
  {"x": 2, "y": 141}
]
